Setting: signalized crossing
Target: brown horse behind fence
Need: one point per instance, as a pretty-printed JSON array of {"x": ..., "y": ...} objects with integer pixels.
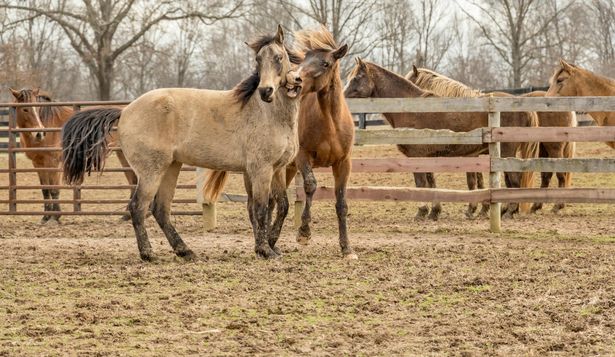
[
  {"x": 368, "y": 80},
  {"x": 48, "y": 117},
  {"x": 554, "y": 150},
  {"x": 447, "y": 87},
  {"x": 570, "y": 80},
  {"x": 326, "y": 131}
]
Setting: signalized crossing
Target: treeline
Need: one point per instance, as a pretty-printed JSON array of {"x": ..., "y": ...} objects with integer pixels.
[{"x": 118, "y": 49}]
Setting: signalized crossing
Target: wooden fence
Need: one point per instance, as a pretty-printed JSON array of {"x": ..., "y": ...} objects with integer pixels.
[
  {"x": 494, "y": 164},
  {"x": 13, "y": 205}
]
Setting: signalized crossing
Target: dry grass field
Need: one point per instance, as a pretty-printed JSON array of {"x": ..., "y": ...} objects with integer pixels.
[{"x": 545, "y": 285}]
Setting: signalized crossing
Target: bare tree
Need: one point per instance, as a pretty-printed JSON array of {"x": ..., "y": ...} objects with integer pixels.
[
  {"x": 348, "y": 20},
  {"x": 603, "y": 34},
  {"x": 510, "y": 27},
  {"x": 100, "y": 30}
]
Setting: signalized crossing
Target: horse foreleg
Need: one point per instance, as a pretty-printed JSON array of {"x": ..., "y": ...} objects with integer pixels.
[
  {"x": 420, "y": 181},
  {"x": 513, "y": 180},
  {"x": 480, "y": 184},
  {"x": 309, "y": 187},
  {"x": 162, "y": 211},
  {"x": 561, "y": 183},
  {"x": 436, "y": 207},
  {"x": 341, "y": 174},
  {"x": 55, "y": 179},
  {"x": 545, "y": 180},
  {"x": 472, "y": 207},
  {"x": 261, "y": 178},
  {"x": 43, "y": 178},
  {"x": 280, "y": 197}
]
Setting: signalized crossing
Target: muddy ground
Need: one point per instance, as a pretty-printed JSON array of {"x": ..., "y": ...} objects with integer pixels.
[{"x": 419, "y": 288}]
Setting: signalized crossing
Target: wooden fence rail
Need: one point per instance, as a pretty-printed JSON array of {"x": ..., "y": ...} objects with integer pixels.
[{"x": 491, "y": 137}]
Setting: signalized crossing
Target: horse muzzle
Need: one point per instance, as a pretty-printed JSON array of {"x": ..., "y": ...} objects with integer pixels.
[{"x": 266, "y": 94}]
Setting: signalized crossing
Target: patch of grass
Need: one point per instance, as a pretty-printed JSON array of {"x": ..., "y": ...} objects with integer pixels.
[
  {"x": 477, "y": 289},
  {"x": 589, "y": 310}
]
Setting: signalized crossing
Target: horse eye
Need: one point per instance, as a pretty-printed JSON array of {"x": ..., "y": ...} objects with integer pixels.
[
  {"x": 560, "y": 80},
  {"x": 325, "y": 64},
  {"x": 26, "y": 110}
]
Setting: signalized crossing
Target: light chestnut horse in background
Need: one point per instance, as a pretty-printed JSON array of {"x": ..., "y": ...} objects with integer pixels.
[
  {"x": 447, "y": 87},
  {"x": 250, "y": 129},
  {"x": 49, "y": 117},
  {"x": 368, "y": 80},
  {"x": 326, "y": 131},
  {"x": 570, "y": 80},
  {"x": 554, "y": 150}
]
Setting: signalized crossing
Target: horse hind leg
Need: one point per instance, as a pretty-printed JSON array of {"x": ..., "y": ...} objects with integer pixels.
[
  {"x": 436, "y": 207},
  {"x": 130, "y": 177},
  {"x": 162, "y": 211},
  {"x": 513, "y": 180},
  {"x": 147, "y": 186},
  {"x": 309, "y": 186},
  {"x": 545, "y": 177}
]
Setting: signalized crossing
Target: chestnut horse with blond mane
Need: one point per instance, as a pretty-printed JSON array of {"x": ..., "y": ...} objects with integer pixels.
[
  {"x": 447, "y": 87},
  {"x": 326, "y": 131},
  {"x": 570, "y": 80}
]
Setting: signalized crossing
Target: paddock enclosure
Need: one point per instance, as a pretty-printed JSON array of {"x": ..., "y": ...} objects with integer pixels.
[{"x": 543, "y": 285}]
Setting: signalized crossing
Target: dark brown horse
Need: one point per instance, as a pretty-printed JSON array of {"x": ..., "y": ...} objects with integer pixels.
[
  {"x": 326, "y": 130},
  {"x": 49, "y": 117},
  {"x": 370, "y": 80},
  {"x": 554, "y": 150}
]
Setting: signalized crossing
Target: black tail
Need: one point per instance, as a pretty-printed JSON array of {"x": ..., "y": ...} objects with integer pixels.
[{"x": 84, "y": 142}]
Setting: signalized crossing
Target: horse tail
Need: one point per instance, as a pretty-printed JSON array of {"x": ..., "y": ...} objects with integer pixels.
[
  {"x": 84, "y": 142},
  {"x": 569, "y": 151},
  {"x": 214, "y": 185},
  {"x": 529, "y": 150}
]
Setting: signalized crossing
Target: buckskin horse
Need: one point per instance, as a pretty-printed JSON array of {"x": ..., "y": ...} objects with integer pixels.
[{"x": 250, "y": 129}]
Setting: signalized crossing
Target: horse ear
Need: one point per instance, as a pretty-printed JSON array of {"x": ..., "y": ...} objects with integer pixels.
[
  {"x": 361, "y": 63},
  {"x": 566, "y": 66},
  {"x": 415, "y": 70},
  {"x": 279, "y": 36},
  {"x": 15, "y": 93},
  {"x": 340, "y": 52}
]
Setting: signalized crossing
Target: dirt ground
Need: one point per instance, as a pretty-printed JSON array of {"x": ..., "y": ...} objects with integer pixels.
[{"x": 419, "y": 288}]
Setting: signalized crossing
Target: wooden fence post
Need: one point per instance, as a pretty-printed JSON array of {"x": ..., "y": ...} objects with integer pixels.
[
  {"x": 494, "y": 176},
  {"x": 299, "y": 203},
  {"x": 12, "y": 159}
]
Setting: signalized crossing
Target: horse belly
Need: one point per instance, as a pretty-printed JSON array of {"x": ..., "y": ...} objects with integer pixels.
[{"x": 215, "y": 156}]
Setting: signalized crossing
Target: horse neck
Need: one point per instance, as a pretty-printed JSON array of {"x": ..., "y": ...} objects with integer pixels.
[
  {"x": 331, "y": 98},
  {"x": 390, "y": 85},
  {"x": 595, "y": 85},
  {"x": 55, "y": 116}
]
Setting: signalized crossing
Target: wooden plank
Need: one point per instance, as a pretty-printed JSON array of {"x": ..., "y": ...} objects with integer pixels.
[
  {"x": 501, "y": 104},
  {"x": 552, "y": 134},
  {"x": 554, "y": 195},
  {"x": 422, "y": 164},
  {"x": 402, "y": 194},
  {"x": 407, "y": 136},
  {"x": 553, "y": 165}
]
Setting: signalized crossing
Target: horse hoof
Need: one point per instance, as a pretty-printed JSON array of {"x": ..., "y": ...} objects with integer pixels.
[
  {"x": 303, "y": 240},
  {"x": 469, "y": 215},
  {"x": 44, "y": 220},
  {"x": 266, "y": 253},
  {"x": 125, "y": 218},
  {"x": 147, "y": 256},
  {"x": 186, "y": 254},
  {"x": 434, "y": 217},
  {"x": 53, "y": 222},
  {"x": 277, "y": 251},
  {"x": 351, "y": 256}
]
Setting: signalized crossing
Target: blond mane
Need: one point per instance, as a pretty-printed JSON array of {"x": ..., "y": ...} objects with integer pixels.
[
  {"x": 315, "y": 40},
  {"x": 444, "y": 86}
]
